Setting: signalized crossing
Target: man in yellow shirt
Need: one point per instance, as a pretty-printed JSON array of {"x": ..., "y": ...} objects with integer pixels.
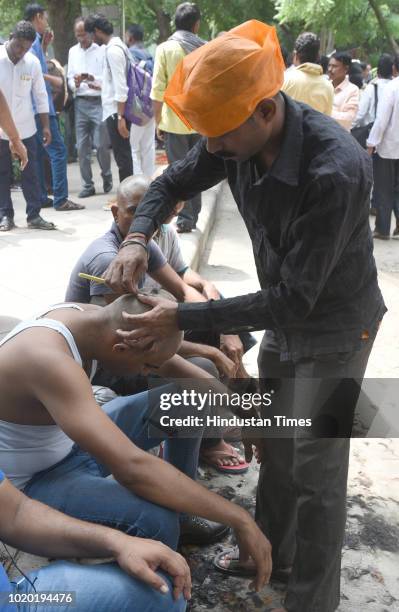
[
  {"x": 306, "y": 82},
  {"x": 178, "y": 138}
]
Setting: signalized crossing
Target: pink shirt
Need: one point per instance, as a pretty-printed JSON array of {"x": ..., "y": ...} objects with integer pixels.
[{"x": 346, "y": 103}]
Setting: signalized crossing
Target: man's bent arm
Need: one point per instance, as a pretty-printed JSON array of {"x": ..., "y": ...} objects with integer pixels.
[
  {"x": 182, "y": 180},
  {"x": 304, "y": 270}
]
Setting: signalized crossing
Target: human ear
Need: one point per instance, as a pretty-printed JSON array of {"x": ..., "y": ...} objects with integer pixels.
[{"x": 120, "y": 347}]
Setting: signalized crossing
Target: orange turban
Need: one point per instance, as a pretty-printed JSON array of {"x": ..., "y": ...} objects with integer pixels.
[{"x": 218, "y": 86}]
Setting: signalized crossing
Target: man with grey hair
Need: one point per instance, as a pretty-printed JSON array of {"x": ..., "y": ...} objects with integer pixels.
[{"x": 306, "y": 83}]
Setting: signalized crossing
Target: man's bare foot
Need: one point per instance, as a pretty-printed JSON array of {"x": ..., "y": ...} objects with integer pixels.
[{"x": 224, "y": 457}]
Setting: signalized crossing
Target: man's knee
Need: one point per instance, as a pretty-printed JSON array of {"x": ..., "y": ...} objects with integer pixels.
[{"x": 205, "y": 364}]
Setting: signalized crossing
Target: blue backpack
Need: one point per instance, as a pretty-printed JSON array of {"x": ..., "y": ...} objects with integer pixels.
[{"x": 138, "y": 108}]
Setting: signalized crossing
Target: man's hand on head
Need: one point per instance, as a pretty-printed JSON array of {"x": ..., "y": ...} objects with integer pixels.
[
  {"x": 152, "y": 326},
  {"x": 126, "y": 269}
]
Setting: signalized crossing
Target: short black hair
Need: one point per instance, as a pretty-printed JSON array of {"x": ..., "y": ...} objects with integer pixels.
[
  {"x": 396, "y": 61},
  {"x": 384, "y": 66},
  {"x": 186, "y": 16},
  {"x": 307, "y": 47},
  {"x": 136, "y": 31},
  {"x": 24, "y": 30},
  {"x": 31, "y": 10},
  {"x": 324, "y": 63},
  {"x": 356, "y": 74},
  {"x": 343, "y": 57},
  {"x": 99, "y": 21}
]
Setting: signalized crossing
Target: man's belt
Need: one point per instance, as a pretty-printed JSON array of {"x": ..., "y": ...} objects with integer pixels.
[{"x": 91, "y": 98}]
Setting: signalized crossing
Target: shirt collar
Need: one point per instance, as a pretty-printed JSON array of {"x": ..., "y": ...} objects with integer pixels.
[
  {"x": 286, "y": 166},
  {"x": 342, "y": 85}
]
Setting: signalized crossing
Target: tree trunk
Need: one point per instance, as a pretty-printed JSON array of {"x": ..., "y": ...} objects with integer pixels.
[
  {"x": 383, "y": 25},
  {"x": 163, "y": 19},
  {"x": 326, "y": 41},
  {"x": 61, "y": 17}
]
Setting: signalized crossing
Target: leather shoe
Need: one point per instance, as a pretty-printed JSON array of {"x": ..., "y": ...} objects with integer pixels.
[
  {"x": 199, "y": 531},
  {"x": 107, "y": 185},
  {"x": 379, "y": 236},
  {"x": 87, "y": 192},
  {"x": 69, "y": 205},
  {"x": 39, "y": 223},
  {"x": 6, "y": 224}
]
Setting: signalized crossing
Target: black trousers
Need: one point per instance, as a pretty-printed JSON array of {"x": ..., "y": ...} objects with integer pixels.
[
  {"x": 301, "y": 496},
  {"x": 386, "y": 192},
  {"x": 121, "y": 148},
  {"x": 177, "y": 146},
  {"x": 29, "y": 180}
]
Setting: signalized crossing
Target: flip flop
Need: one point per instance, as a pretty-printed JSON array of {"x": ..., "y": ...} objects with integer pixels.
[
  {"x": 235, "y": 568},
  {"x": 241, "y": 468}
]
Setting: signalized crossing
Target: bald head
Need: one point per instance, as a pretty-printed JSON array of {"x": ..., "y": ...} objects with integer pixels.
[{"x": 114, "y": 320}]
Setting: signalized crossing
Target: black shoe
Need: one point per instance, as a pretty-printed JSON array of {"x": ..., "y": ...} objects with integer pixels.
[
  {"x": 87, "y": 192},
  {"x": 200, "y": 531},
  {"x": 378, "y": 236},
  {"x": 373, "y": 211},
  {"x": 6, "y": 224},
  {"x": 107, "y": 185},
  {"x": 49, "y": 203},
  {"x": 39, "y": 223},
  {"x": 396, "y": 231},
  {"x": 69, "y": 205}
]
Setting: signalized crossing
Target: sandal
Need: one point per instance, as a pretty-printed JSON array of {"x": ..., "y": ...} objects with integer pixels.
[
  {"x": 236, "y": 568},
  {"x": 240, "y": 468},
  {"x": 39, "y": 223}
]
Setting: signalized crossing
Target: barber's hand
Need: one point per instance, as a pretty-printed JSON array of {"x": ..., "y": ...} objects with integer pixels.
[
  {"x": 126, "y": 269},
  {"x": 152, "y": 326},
  {"x": 232, "y": 346},
  {"x": 122, "y": 128},
  {"x": 141, "y": 558},
  {"x": 253, "y": 543},
  {"x": 18, "y": 151},
  {"x": 46, "y": 136},
  {"x": 225, "y": 366}
]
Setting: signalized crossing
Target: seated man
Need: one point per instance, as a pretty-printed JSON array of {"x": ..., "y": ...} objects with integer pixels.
[
  {"x": 145, "y": 571},
  {"x": 163, "y": 272},
  {"x": 59, "y": 446}
]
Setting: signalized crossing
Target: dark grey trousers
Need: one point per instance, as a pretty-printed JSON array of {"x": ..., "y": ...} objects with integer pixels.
[
  {"x": 301, "y": 497},
  {"x": 91, "y": 131},
  {"x": 177, "y": 146}
]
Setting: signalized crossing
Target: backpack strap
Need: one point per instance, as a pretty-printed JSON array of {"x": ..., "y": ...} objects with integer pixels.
[{"x": 375, "y": 98}]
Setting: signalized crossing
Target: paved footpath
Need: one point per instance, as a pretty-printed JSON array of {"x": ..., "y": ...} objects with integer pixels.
[{"x": 370, "y": 580}]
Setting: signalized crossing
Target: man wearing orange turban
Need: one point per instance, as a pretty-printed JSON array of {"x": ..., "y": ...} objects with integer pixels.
[{"x": 302, "y": 185}]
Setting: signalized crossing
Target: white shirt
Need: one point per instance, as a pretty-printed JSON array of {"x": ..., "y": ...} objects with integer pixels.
[
  {"x": 89, "y": 60},
  {"x": 18, "y": 83},
  {"x": 345, "y": 103},
  {"x": 114, "y": 87},
  {"x": 366, "y": 112},
  {"x": 384, "y": 135}
]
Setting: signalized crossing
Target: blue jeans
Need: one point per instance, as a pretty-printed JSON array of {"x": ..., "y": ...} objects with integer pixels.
[
  {"x": 78, "y": 486},
  {"x": 29, "y": 180},
  {"x": 57, "y": 153},
  {"x": 98, "y": 588}
]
